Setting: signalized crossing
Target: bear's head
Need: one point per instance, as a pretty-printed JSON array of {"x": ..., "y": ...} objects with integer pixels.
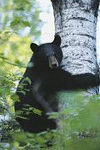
[{"x": 47, "y": 55}]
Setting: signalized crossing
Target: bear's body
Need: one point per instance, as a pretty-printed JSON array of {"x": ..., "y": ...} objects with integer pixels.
[
  {"x": 36, "y": 94},
  {"x": 46, "y": 78}
]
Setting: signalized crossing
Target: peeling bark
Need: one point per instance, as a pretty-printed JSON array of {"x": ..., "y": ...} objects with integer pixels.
[{"x": 75, "y": 22}]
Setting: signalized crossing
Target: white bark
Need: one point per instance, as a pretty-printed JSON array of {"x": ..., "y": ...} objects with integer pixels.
[{"x": 75, "y": 22}]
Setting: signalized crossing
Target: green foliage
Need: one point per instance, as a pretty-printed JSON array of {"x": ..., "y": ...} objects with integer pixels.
[
  {"x": 17, "y": 15},
  {"x": 79, "y": 123},
  {"x": 78, "y": 127}
]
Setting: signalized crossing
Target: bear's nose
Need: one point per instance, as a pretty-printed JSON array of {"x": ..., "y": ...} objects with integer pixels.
[{"x": 53, "y": 63}]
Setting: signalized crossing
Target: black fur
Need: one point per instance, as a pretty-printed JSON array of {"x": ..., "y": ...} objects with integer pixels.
[{"x": 46, "y": 79}]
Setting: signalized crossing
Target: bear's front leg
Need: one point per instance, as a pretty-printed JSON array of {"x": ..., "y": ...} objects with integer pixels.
[{"x": 39, "y": 96}]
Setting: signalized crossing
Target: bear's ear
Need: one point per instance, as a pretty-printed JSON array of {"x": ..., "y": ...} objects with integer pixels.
[
  {"x": 34, "y": 47},
  {"x": 57, "y": 40}
]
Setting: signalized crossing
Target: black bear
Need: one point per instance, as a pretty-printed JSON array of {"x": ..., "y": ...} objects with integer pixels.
[
  {"x": 37, "y": 84},
  {"x": 43, "y": 78}
]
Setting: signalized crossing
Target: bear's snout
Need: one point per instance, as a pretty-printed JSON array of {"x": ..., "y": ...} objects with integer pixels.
[{"x": 53, "y": 63}]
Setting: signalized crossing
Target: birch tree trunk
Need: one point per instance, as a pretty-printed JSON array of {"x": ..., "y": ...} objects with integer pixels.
[{"x": 75, "y": 22}]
